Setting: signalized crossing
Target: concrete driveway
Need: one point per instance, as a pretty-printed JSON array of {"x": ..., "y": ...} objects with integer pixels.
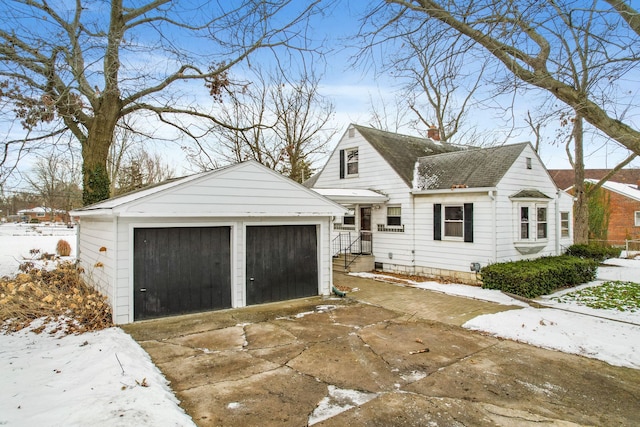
[{"x": 384, "y": 356}]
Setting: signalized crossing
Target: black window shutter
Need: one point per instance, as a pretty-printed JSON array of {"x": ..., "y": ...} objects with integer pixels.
[
  {"x": 468, "y": 222},
  {"x": 437, "y": 221},
  {"x": 341, "y": 164}
]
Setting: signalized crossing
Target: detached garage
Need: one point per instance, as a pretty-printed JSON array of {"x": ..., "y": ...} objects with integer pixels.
[{"x": 227, "y": 238}]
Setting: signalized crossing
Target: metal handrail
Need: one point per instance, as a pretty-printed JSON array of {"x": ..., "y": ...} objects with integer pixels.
[{"x": 362, "y": 245}]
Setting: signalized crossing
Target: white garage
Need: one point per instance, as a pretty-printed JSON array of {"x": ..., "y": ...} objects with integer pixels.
[{"x": 227, "y": 238}]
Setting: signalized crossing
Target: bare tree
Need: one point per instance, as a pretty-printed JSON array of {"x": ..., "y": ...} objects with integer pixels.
[
  {"x": 293, "y": 129},
  {"x": 441, "y": 67},
  {"x": 390, "y": 113},
  {"x": 53, "y": 180},
  {"x": 529, "y": 37},
  {"x": 139, "y": 169},
  {"x": 578, "y": 54},
  {"x": 81, "y": 67}
]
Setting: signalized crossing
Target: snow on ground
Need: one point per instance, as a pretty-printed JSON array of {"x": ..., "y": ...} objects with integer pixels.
[
  {"x": 608, "y": 335},
  {"x": 105, "y": 378},
  {"x": 17, "y": 240},
  {"x": 99, "y": 378}
]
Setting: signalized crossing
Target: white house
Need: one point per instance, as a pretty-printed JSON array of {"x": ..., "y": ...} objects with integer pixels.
[
  {"x": 428, "y": 208},
  {"x": 231, "y": 237}
]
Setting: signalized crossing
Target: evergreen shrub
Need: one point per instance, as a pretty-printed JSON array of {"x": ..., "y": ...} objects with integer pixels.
[{"x": 541, "y": 276}]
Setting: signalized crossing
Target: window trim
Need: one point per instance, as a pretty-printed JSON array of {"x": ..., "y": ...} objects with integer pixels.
[
  {"x": 347, "y": 161},
  {"x": 545, "y": 222},
  {"x": 398, "y": 216},
  {"x": 352, "y": 218},
  {"x": 566, "y": 229},
  {"x": 524, "y": 221},
  {"x": 439, "y": 222},
  {"x": 460, "y": 221},
  {"x": 533, "y": 207}
]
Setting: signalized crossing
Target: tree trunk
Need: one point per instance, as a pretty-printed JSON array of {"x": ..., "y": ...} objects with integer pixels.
[
  {"x": 580, "y": 205},
  {"x": 95, "y": 151}
]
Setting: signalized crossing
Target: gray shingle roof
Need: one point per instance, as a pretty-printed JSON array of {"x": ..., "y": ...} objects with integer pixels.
[
  {"x": 482, "y": 167},
  {"x": 402, "y": 151}
]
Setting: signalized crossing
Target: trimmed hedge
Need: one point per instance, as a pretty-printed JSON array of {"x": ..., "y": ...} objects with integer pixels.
[
  {"x": 541, "y": 276},
  {"x": 593, "y": 251}
]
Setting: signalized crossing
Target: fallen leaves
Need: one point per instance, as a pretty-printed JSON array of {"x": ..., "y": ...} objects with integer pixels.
[{"x": 55, "y": 295}]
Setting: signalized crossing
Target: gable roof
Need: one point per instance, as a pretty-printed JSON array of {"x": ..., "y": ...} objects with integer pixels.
[
  {"x": 564, "y": 178},
  {"x": 530, "y": 194},
  {"x": 483, "y": 167},
  {"x": 402, "y": 151},
  {"x": 628, "y": 190},
  {"x": 244, "y": 189}
]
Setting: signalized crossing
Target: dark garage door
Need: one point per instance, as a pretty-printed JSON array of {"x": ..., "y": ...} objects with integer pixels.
[
  {"x": 282, "y": 263},
  {"x": 181, "y": 270}
]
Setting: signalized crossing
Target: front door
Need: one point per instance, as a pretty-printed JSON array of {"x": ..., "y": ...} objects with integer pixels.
[
  {"x": 365, "y": 230},
  {"x": 365, "y": 218}
]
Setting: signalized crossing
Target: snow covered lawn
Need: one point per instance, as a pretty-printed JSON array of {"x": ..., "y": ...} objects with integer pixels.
[{"x": 94, "y": 379}]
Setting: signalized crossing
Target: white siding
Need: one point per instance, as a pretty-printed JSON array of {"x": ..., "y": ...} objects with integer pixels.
[
  {"x": 99, "y": 266},
  {"x": 454, "y": 255},
  {"x": 518, "y": 178},
  {"x": 496, "y": 216},
  {"x": 248, "y": 189},
  {"x": 565, "y": 204},
  {"x": 374, "y": 173}
]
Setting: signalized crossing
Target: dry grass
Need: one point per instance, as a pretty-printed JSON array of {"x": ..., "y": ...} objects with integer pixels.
[
  {"x": 63, "y": 248},
  {"x": 59, "y": 296}
]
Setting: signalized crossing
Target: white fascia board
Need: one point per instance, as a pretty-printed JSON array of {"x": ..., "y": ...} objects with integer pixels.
[
  {"x": 230, "y": 214},
  {"x": 97, "y": 212},
  {"x": 453, "y": 191}
]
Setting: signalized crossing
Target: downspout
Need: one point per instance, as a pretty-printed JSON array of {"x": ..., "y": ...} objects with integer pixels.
[
  {"x": 413, "y": 233},
  {"x": 494, "y": 216},
  {"x": 557, "y": 224}
]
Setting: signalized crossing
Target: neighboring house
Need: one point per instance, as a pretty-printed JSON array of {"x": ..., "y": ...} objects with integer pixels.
[
  {"x": 41, "y": 214},
  {"x": 622, "y": 191},
  {"x": 565, "y": 178},
  {"x": 623, "y": 209},
  {"x": 424, "y": 207},
  {"x": 231, "y": 237}
]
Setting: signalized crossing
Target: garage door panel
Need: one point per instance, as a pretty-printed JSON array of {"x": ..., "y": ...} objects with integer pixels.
[
  {"x": 282, "y": 261},
  {"x": 183, "y": 269}
]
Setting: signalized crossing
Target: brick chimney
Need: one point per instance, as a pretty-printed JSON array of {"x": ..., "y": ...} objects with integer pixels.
[{"x": 434, "y": 133}]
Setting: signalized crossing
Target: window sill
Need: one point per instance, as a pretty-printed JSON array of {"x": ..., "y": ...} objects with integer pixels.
[{"x": 527, "y": 248}]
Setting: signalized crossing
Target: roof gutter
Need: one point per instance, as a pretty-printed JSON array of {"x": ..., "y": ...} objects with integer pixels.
[{"x": 454, "y": 191}]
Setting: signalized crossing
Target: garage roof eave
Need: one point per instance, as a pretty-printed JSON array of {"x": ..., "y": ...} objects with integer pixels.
[
  {"x": 93, "y": 213},
  {"x": 228, "y": 214}
]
